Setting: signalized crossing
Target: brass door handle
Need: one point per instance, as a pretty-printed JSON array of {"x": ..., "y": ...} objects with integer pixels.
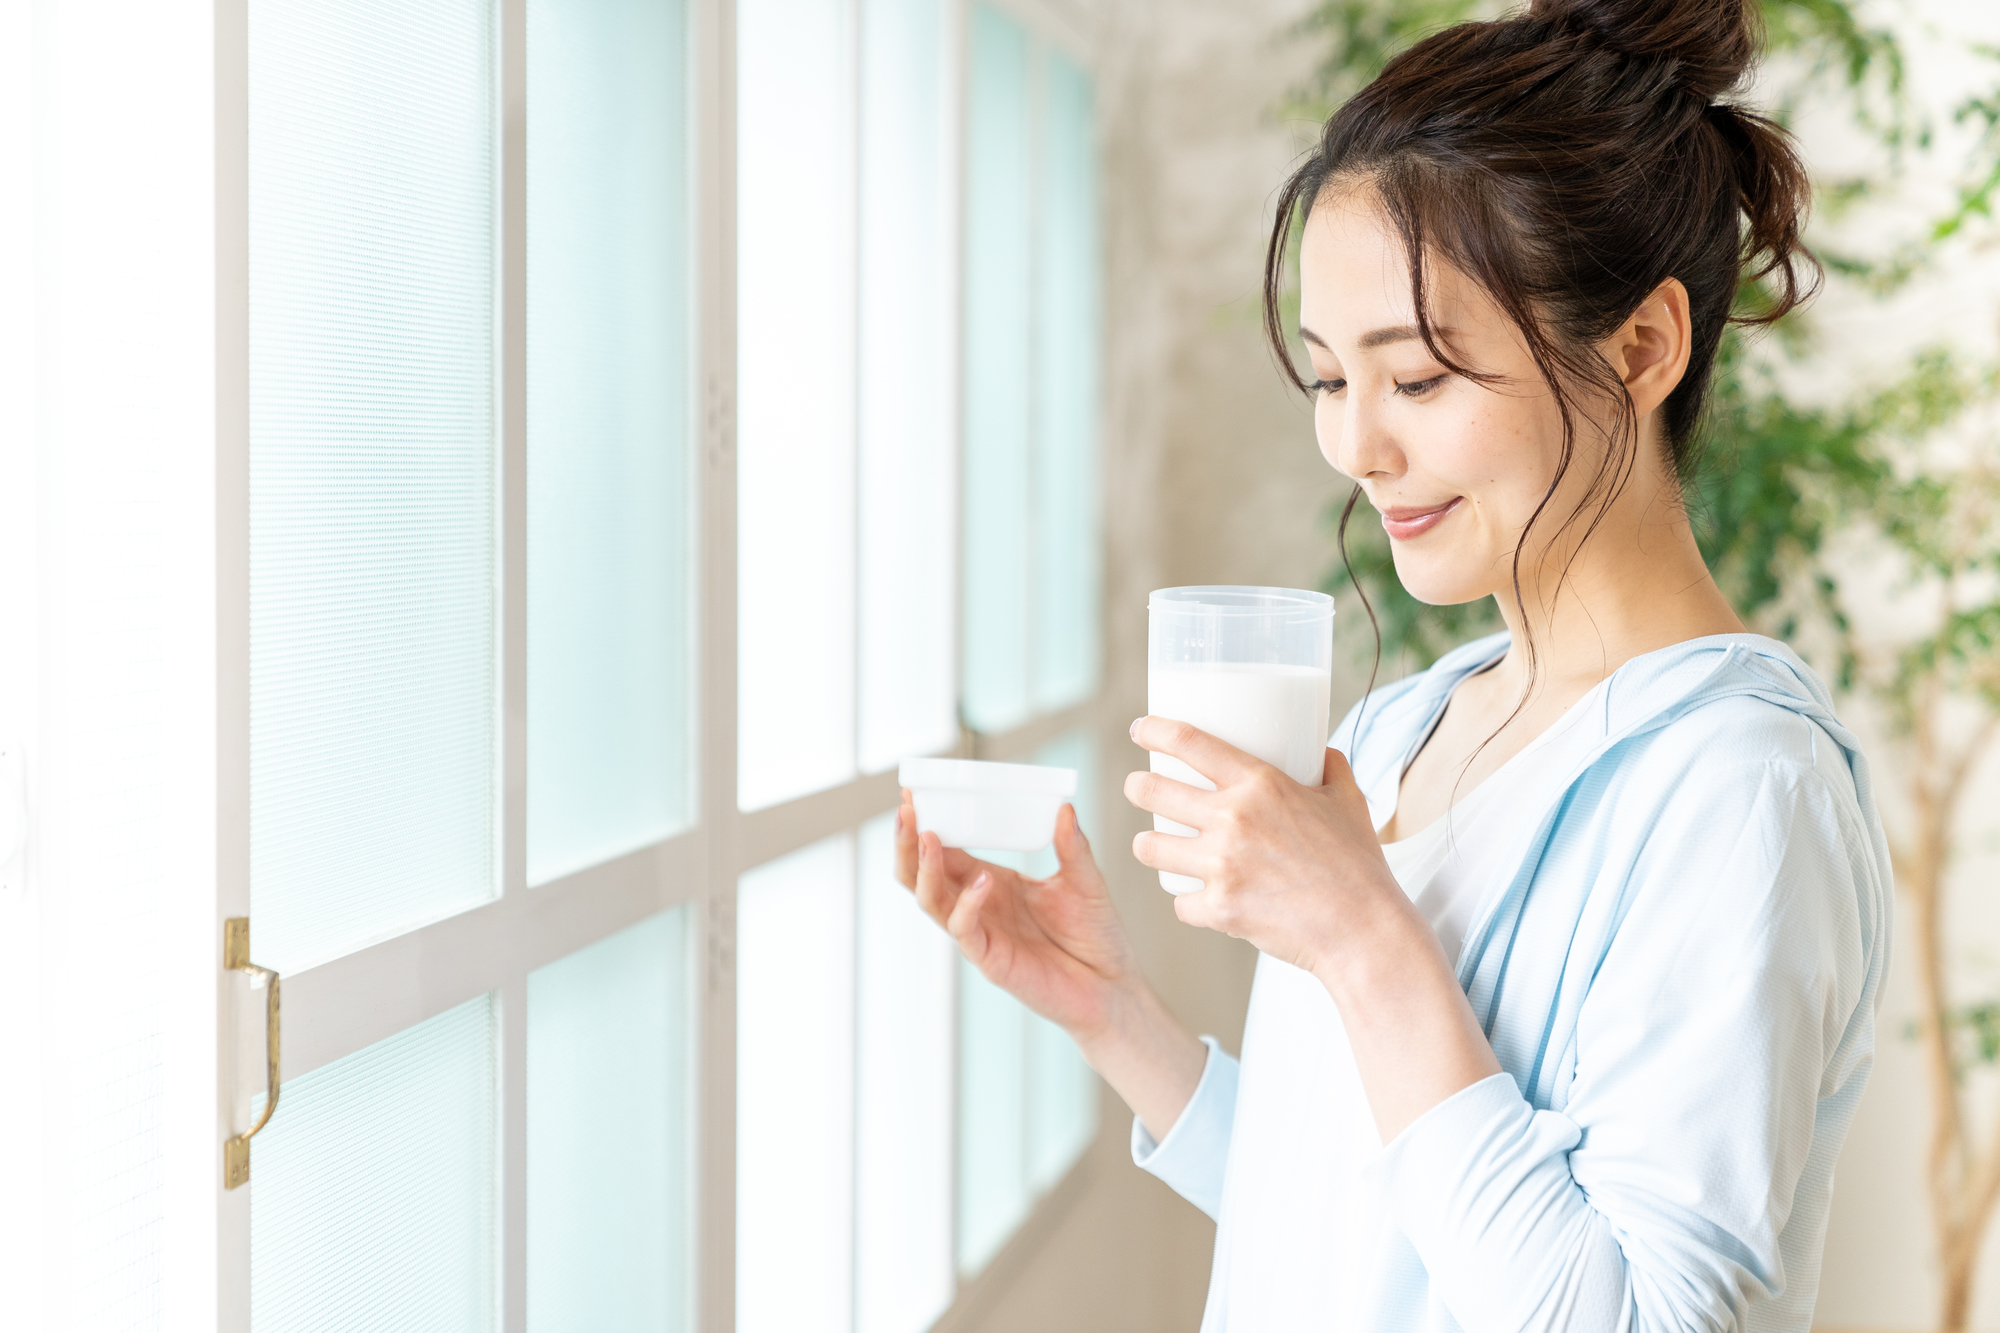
[{"x": 236, "y": 958}]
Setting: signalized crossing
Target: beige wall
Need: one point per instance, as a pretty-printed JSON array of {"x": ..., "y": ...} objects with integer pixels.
[{"x": 1212, "y": 477}]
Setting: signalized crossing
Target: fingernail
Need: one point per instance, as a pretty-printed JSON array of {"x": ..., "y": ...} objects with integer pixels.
[
  {"x": 980, "y": 882},
  {"x": 1133, "y": 730}
]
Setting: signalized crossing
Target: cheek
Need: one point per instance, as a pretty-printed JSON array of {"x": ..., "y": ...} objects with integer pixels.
[
  {"x": 1490, "y": 452},
  {"x": 1327, "y": 421}
]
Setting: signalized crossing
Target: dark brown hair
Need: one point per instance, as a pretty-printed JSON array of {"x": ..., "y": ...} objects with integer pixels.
[{"x": 1569, "y": 160}]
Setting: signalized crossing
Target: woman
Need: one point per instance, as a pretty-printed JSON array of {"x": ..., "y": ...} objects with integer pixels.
[{"x": 1569, "y": 967}]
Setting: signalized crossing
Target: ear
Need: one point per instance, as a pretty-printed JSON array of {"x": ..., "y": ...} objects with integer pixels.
[{"x": 1650, "y": 350}]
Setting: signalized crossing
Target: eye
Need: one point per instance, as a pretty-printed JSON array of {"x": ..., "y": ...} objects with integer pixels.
[
  {"x": 1326, "y": 386},
  {"x": 1420, "y": 388}
]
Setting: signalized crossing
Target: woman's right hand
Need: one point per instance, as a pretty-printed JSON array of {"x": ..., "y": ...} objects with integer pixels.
[{"x": 1055, "y": 944}]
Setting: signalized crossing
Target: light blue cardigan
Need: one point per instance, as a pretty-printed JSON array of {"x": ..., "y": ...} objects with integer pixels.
[{"x": 1678, "y": 964}]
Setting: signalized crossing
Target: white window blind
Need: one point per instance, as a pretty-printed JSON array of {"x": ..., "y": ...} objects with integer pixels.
[
  {"x": 795, "y": 1092},
  {"x": 1027, "y": 1100},
  {"x": 904, "y": 969},
  {"x": 1033, "y": 570},
  {"x": 372, "y": 469},
  {"x": 795, "y": 398},
  {"x": 907, "y": 458},
  {"x": 1067, "y": 559},
  {"x": 375, "y": 1203},
  {"x": 609, "y": 523},
  {"x": 845, "y": 439},
  {"x": 610, "y": 1160},
  {"x": 999, "y": 359}
]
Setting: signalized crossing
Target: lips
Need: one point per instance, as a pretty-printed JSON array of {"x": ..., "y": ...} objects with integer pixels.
[{"x": 1403, "y": 524}]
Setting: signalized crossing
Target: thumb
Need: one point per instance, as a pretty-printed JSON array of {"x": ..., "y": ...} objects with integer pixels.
[
  {"x": 1336, "y": 772},
  {"x": 1072, "y": 848}
]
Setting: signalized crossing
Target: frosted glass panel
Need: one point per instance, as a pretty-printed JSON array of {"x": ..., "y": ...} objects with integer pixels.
[
  {"x": 371, "y": 469},
  {"x": 1068, "y": 571},
  {"x": 998, "y": 382},
  {"x": 795, "y": 1092},
  {"x": 372, "y": 1192},
  {"x": 908, "y": 697},
  {"x": 1062, "y": 1103},
  {"x": 1062, "y": 1111},
  {"x": 1027, "y": 1099},
  {"x": 992, "y": 1167},
  {"x": 608, "y": 1147},
  {"x": 608, "y": 423},
  {"x": 795, "y": 399},
  {"x": 903, "y": 1064}
]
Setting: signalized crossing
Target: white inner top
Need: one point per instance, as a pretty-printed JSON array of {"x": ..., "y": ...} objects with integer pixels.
[
  {"x": 1298, "y": 1232},
  {"x": 1439, "y": 866}
]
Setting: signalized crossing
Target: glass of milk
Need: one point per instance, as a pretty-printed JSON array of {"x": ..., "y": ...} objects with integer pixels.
[{"x": 1250, "y": 666}]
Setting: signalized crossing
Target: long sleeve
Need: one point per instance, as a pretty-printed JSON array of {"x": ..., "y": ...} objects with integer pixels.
[
  {"x": 1731, "y": 1017},
  {"x": 1192, "y": 1156}
]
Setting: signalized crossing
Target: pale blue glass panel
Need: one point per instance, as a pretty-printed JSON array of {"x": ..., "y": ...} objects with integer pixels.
[
  {"x": 908, "y": 512},
  {"x": 1071, "y": 750},
  {"x": 1061, "y": 1089},
  {"x": 992, "y": 1130},
  {"x": 372, "y": 564},
  {"x": 373, "y": 1193},
  {"x": 608, "y": 429},
  {"x": 903, "y": 1091},
  {"x": 998, "y": 380},
  {"x": 795, "y": 1092},
  {"x": 1068, "y": 566},
  {"x": 1062, "y": 1104},
  {"x": 795, "y": 399},
  {"x": 609, "y": 1163}
]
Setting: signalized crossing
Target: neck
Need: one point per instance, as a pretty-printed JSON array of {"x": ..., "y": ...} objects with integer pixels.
[{"x": 1637, "y": 584}]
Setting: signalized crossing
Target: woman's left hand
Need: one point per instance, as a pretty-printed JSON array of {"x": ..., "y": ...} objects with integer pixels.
[
  {"x": 1295, "y": 870},
  {"x": 1299, "y": 872}
]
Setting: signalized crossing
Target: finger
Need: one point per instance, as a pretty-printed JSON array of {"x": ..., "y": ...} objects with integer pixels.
[
  {"x": 1218, "y": 761},
  {"x": 937, "y": 888},
  {"x": 1072, "y": 848},
  {"x": 1337, "y": 781},
  {"x": 1158, "y": 794},
  {"x": 964, "y": 924},
  {"x": 962, "y": 865},
  {"x": 1200, "y": 908},
  {"x": 906, "y": 841},
  {"x": 1173, "y": 853}
]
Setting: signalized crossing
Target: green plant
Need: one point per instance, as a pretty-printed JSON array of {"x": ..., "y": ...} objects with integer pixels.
[{"x": 1815, "y": 516}]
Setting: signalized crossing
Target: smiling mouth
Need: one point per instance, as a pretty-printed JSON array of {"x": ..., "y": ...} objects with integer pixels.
[{"x": 1404, "y": 524}]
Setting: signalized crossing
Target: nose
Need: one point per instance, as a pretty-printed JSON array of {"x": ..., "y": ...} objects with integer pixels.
[{"x": 1355, "y": 436}]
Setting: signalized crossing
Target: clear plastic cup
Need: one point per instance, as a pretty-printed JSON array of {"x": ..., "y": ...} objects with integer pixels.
[{"x": 1250, "y": 666}]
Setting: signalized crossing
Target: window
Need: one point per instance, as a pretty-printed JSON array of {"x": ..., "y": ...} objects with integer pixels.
[
  {"x": 471, "y": 760},
  {"x": 860, "y": 1041},
  {"x": 510, "y": 577}
]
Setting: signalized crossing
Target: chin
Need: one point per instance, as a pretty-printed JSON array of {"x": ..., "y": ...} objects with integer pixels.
[{"x": 1447, "y": 582}]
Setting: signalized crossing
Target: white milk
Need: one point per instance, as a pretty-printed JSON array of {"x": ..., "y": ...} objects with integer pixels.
[{"x": 1278, "y": 713}]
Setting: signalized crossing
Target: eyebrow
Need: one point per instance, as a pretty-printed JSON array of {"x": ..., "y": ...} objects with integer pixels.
[
  {"x": 1382, "y": 337},
  {"x": 1373, "y": 338}
]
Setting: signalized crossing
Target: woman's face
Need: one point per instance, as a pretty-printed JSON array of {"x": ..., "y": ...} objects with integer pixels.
[{"x": 1454, "y": 468}]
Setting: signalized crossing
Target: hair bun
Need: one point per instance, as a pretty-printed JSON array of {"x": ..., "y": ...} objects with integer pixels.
[{"x": 1712, "y": 43}]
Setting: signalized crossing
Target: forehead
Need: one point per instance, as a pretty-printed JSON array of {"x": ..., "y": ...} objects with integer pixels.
[{"x": 1354, "y": 278}]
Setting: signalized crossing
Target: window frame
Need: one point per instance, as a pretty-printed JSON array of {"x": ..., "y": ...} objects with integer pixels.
[{"x": 348, "y": 1003}]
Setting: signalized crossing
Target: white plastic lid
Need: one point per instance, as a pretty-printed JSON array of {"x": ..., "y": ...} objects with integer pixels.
[{"x": 979, "y": 775}]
